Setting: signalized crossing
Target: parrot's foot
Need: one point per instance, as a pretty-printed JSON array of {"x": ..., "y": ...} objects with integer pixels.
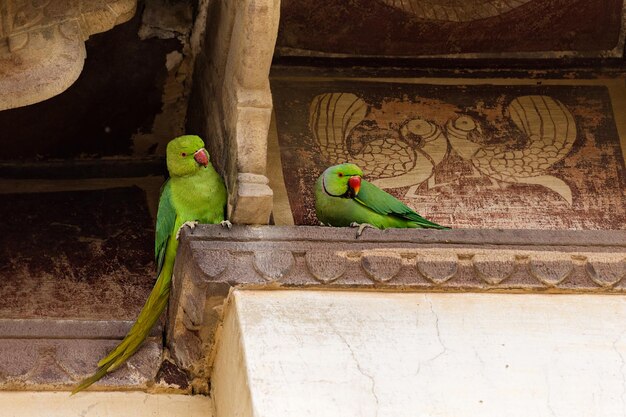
[
  {"x": 361, "y": 226},
  {"x": 191, "y": 225},
  {"x": 226, "y": 223}
]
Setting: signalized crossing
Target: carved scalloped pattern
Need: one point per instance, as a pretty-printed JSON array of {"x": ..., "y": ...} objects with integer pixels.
[
  {"x": 325, "y": 266},
  {"x": 551, "y": 269},
  {"x": 214, "y": 262},
  {"x": 315, "y": 263},
  {"x": 273, "y": 265},
  {"x": 381, "y": 267},
  {"x": 606, "y": 271},
  {"x": 494, "y": 268},
  {"x": 61, "y": 363},
  {"x": 462, "y": 269},
  {"x": 438, "y": 268}
]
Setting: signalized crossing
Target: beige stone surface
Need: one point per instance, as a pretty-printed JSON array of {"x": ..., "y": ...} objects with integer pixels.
[
  {"x": 234, "y": 85},
  {"x": 42, "y": 44},
  {"x": 308, "y": 353},
  {"x": 102, "y": 404},
  {"x": 253, "y": 200}
]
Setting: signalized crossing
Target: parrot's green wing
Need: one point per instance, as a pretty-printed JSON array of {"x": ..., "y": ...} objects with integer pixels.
[
  {"x": 166, "y": 219},
  {"x": 165, "y": 252},
  {"x": 386, "y": 204}
]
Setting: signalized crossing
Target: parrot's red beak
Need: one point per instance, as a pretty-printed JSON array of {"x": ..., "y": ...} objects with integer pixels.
[
  {"x": 355, "y": 184},
  {"x": 202, "y": 157}
]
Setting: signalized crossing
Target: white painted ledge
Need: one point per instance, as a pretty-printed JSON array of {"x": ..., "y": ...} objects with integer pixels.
[
  {"x": 102, "y": 404},
  {"x": 308, "y": 353}
]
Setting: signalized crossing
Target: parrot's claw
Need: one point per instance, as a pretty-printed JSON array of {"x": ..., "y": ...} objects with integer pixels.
[
  {"x": 190, "y": 224},
  {"x": 226, "y": 223},
  {"x": 361, "y": 226}
]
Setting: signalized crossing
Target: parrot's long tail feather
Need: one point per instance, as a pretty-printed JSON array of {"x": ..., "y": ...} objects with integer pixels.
[
  {"x": 88, "y": 381},
  {"x": 149, "y": 315}
]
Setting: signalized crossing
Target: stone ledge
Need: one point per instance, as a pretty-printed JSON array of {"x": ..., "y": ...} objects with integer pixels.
[
  {"x": 59, "y": 364},
  {"x": 213, "y": 260},
  {"x": 55, "y": 354},
  {"x": 103, "y": 404}
]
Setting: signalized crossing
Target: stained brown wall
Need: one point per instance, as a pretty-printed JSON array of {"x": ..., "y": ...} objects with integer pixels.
[{"x": 371, "y": 27}]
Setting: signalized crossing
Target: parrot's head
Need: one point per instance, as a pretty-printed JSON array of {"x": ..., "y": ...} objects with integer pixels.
[
  {"x": 186, "y": 155},
  {"x": 342, "y": 180}
]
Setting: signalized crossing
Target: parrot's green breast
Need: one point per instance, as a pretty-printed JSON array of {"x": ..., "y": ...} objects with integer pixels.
[{"x": 200, "y": 197}]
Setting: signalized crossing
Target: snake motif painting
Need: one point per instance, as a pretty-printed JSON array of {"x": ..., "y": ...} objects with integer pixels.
[{"x": 409, "y": 158}]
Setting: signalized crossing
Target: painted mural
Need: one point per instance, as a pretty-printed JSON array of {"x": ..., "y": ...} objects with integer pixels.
[
  {"x": 495, "y": 156},
  {"x": 474, "y": 28}
]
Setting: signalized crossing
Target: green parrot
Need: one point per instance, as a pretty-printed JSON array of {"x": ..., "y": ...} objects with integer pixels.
[
  {"x": 194, "y": 193},
  {"x": 343, "y": 198}
]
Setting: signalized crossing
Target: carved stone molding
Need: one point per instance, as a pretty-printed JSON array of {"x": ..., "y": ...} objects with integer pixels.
[
  {"x": 42, "y": 45},
  {"x": 213, "y": 260},
  {"x": 47, "y": 354}
]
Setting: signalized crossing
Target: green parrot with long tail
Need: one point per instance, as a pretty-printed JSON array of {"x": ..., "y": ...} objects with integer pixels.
[
  {"x": 194, "y": 193},
  {"x": 343, "y": 198}
]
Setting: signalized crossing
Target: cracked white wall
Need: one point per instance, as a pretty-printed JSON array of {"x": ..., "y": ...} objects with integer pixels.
[{"x": 323, "y": 353}]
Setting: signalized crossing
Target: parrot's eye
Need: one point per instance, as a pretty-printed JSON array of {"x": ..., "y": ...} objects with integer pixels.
[
  {"x": 183, "y": 154},
  {"x": 341, "y": 174}
]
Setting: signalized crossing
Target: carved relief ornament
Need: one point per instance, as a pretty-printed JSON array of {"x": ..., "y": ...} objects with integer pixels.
[{"x": 42, "y": 45}]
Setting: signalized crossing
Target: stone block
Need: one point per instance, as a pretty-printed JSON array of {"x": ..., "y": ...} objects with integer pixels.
[
  {"x": 252, "y": 201},
  {"x": 380, "y": 354}
]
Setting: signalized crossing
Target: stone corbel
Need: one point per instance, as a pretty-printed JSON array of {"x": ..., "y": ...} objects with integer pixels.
[
  {"x": 42, "y": 44},
  {"x": 248, "y": 107},
  {"x": 232, "y": 79},
  {"x": 214, "y": 260}
]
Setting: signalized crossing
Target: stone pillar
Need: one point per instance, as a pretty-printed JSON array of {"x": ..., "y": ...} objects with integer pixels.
[{"x": 231, "y": 104}]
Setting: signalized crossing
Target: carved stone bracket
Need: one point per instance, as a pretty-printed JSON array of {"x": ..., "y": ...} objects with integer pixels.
[
  {"x": 232, "y": 85},
  {"x": 213, "y": 260},
  {"x": 42, "y": 45}
]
